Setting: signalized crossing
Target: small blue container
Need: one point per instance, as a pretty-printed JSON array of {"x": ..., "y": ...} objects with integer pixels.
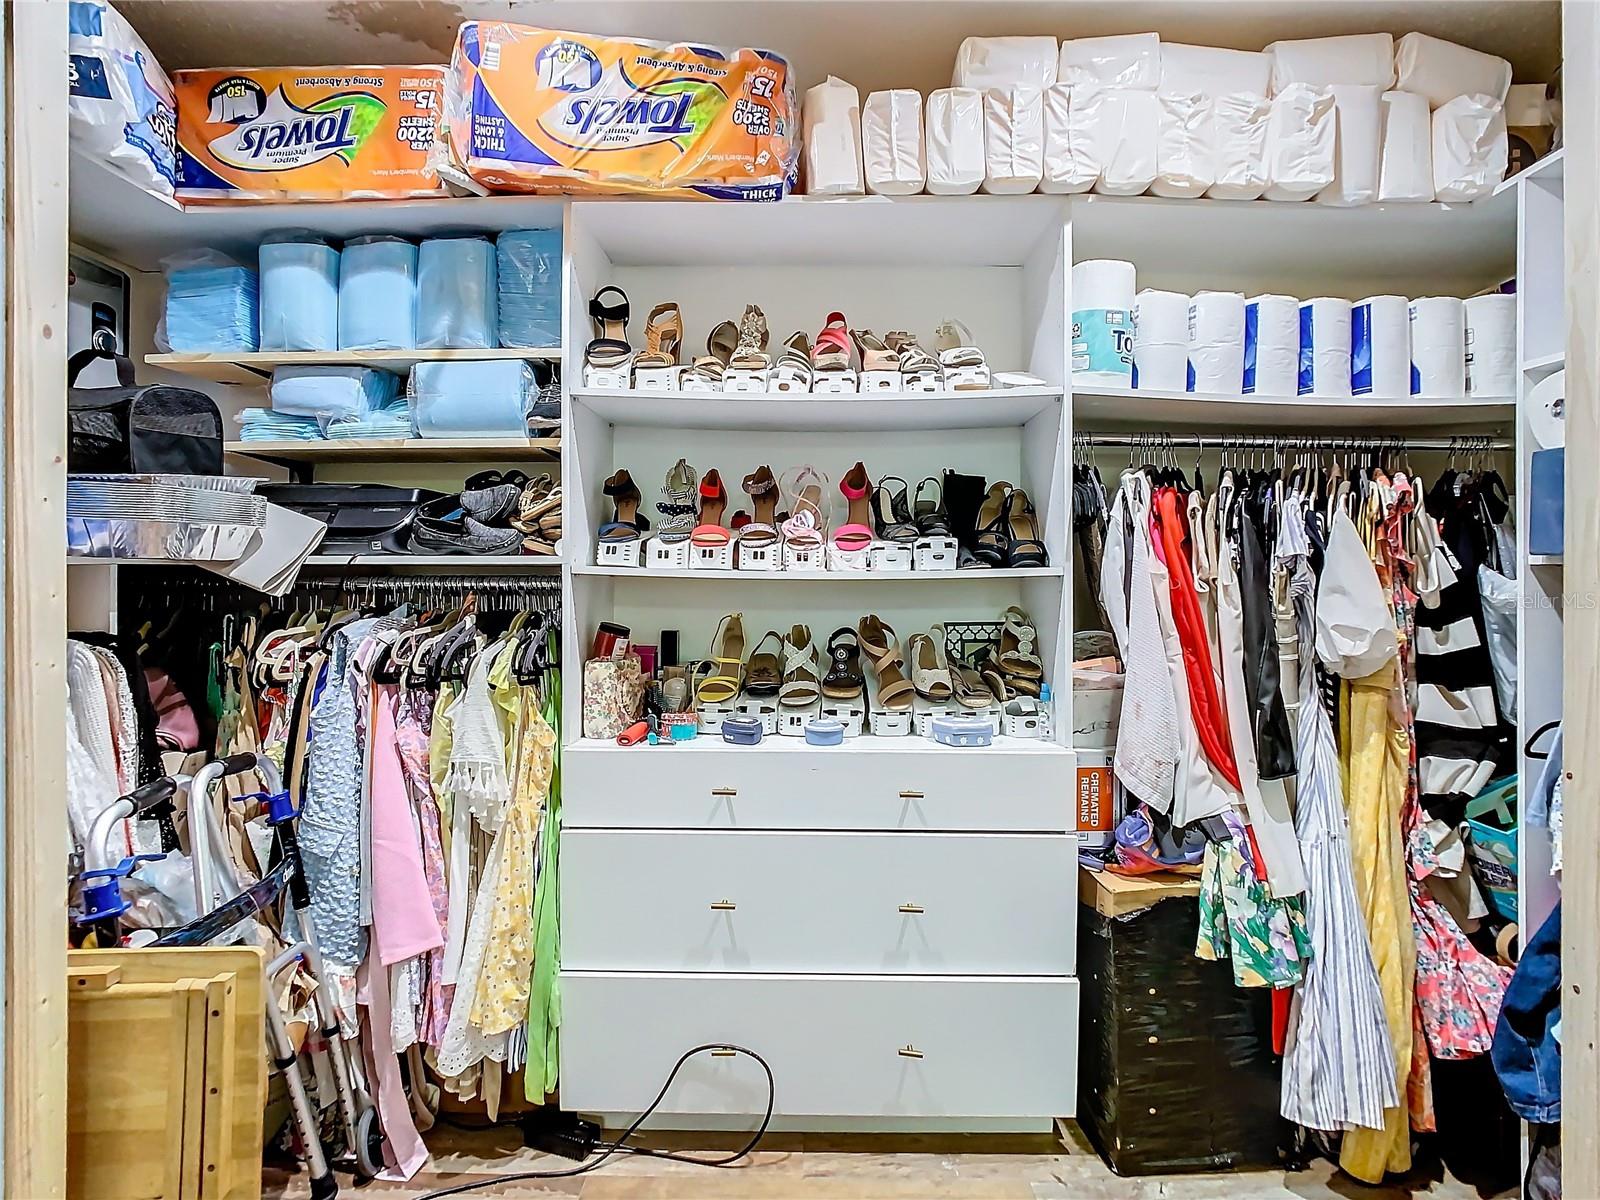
[
  {"x": 824, "y": 731},
  {"x": 962, "y": 731},
  {"x": 741, "y": 731}
]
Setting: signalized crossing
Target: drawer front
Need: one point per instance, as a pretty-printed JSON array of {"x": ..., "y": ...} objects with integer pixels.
[
  {"x": 757, "y": 787},
  {"x": 869, "y": 1046},
  {"x": 885, "y": 903}
]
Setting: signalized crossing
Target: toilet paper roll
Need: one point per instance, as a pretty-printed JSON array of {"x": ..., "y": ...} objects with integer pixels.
[
  {"x": 953, "y": 133},
  {"x": 1325, "y": 347},
  {"x": 892, "y": 154},
  {"x": 1438, "y": 347},
  {"x": 1491, "y": 344},
  {"x": 1405, "y": 172},
  {"x": 1271, "y": 346},
  {"x": 1161, "y": 341},
  {"x": 1380, "y": 347},
  {"x": 1357, "y": 145},
  {"x": 1547, "y": 411},
  {"x": 1216, "y": 343},
  {"x": 1102, "y": 322}
]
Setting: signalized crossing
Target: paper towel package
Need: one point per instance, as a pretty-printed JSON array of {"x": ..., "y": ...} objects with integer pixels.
[
  {"x": 1300, "y": 142},
  {"x": 830, "y": 162},
  {"x": 1358, "y": 121},
  {"x": 1160, "y": 341},
  {"x": 1005, "y": 62},
  {"x": 1469, "y": 148},
  {"x": 1069, "y": 163},
  {"x": 1438, "y": 347},
  {"x": 299, "y": 293},
  {"x": 1380, "y": 347},
  {"x": 1124, "y": 60},
  {"x": 1405, "y": 172},
  {"x": 953, "y": 136},
  {"x": 1186, "y": 159},
  {"x": 1013, "y": 140},
  {"x": 1121, "y": 130},
  {"x": 1272, "y": 346},
  {"x": 121, "y": 108},
  {"x": 1102, "y": 322},
  {"x": 1212, "y": 71},
  {"x": 1324, "y": 348},
  {"x": 1442, "y": 70},
  {"x": 1216, "y": 343},
  {"x": 1239, "y": 123},
  {"x": 1491, "y": 345},
  {"x": 892, "y": 154},
  {"x": 1357, "y": 58}
]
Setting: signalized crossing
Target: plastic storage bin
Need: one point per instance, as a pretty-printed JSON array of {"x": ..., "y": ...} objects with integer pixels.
[
  {"x": 378, "y": 294},
  {"x": 299, "y": 294},
  {"x": 457, "y": 301},
  {"x": 528, "y": 263}
]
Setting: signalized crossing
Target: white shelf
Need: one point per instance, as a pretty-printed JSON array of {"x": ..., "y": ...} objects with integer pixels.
[
  {"x": 1547, "y": 560},
  {"x": 399, "y": 450},
  {"x": 463, "y": 564},
  {"x": 712, "y": 744},
  {"x": 809, "y": 413},
  {"x": 1551, "y": 166},
  {"x": 254, "y": 369},
  {"x": 1246, "y": 413},
  {"x": 926, "y": 577},
  {"x": 1545, "y": 362}
]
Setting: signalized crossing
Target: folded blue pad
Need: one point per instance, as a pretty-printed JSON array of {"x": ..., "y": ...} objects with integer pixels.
[
  {"x": 529, "y": 282},
  {"x": 299, "y": 295},
  {"x": 393, "y": 420},
  {"x": 378, "y": 294},
  {"x": 325, "y": 393},
  {"x": 264, "y": 425},
  {"x": 472, "y": 399},
  {"x": 456, "y": 298},
  {"x": 212, "y": 308}
]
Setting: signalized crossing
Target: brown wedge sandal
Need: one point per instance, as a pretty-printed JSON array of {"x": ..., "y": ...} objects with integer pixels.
[
  {"x": 763, "y": 673},
  {"x": 710, "y": 366},
  {"x": 894, "y": 690},
  {"x": 663, "y": 337}
]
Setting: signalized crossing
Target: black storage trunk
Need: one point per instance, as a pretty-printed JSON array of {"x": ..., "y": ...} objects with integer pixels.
[{"x": 1176, "y": 1071}]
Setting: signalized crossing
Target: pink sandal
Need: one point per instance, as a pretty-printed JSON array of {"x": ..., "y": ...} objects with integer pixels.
[
  {"x": 713, "y": 506},
  {"x": 806, "y": 528},
  {"x": 856, "y": 532},
  {"x": 830, "y": 354}
]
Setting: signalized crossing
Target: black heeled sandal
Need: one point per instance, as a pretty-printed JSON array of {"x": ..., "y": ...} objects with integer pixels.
[
  {"x": 891, "y": 512},
  {"x": 993, "y": 539},
  {"x": 844, "y": 680},
  {"x": 930, "y": 516},
  {"x": 1025, "y": 548}
]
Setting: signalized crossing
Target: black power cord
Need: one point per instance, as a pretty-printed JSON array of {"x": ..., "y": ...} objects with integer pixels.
[{"x": 620, "y": 1145}]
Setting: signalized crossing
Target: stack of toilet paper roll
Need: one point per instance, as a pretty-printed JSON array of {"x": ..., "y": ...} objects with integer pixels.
[
  {"x": 1271, "y": 346},
  {"x": 1491, "y": 345},
  {"x": 1216, "y": 343},
  {"x": 1103, "y": 323},
  {"x": 1161, "y": 341},
  {"x": 1438, "y": 347}
]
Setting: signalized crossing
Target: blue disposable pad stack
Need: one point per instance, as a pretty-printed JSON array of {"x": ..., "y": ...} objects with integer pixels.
[
  {"x": 378, "y": 294},
  {"x": 326, "y": 393},
  {"x": 299, "y": 294},
  {"x": 456, "y": 300},
  {"x": 264, "y": 425},
  {"x": 530, "y": 287},
  {"x": 212, "y": 308},
  {"x": 393, "y": 420},
  {"x": 472, "y": 399}
]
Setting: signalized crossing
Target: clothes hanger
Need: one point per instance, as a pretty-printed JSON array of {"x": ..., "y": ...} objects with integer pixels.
[{"x": 1533, "y": 738}]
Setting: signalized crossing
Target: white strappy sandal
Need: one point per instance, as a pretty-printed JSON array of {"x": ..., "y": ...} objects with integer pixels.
[{"x": 965, "y": 368}]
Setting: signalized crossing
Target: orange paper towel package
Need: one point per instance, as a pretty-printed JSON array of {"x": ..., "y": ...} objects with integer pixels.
[
  {"x": 307, "y": 133},
  {"x": 536, "y": 110}
]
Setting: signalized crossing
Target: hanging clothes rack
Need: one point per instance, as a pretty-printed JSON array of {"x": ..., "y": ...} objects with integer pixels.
[
  {"x": 1460, "y": 443},
  {"x": 493, "y": 592}
]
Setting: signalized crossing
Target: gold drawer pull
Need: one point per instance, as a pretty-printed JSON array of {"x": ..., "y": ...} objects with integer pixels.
[
  {"x": 910, "y": 795},
  {"x": 724, "y": 791},
  {"x": 724, "y": 1053},
  {"x": 723, "y": 906},
  {"x": 909, "y": 1051},
  {"x": 912, "y": 908}
]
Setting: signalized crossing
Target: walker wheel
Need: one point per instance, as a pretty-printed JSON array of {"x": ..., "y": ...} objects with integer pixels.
[{"x": 369, "y": 1144}]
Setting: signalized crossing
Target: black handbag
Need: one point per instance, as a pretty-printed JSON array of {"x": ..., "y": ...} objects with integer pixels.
[{"x": 128, "y": 428}]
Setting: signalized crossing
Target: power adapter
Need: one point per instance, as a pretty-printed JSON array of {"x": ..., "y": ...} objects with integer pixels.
[{"x": 562, "y": 1133}]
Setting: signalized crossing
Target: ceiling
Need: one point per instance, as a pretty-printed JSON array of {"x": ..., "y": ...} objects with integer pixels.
[{"x": 871, "y": 43}]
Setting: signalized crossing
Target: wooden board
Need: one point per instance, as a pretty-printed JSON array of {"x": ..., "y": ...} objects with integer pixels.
[
  {"x": 400, "y": 450},
  {"x": 1118, "y": 895},
  {"x": 254, "y": 369}
]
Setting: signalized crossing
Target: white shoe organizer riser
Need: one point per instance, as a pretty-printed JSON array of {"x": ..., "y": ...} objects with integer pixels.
[
  {"x": 852, "y": 714},
  {"x": 924, "y": 711},
  {"x": 711, "y": 558},
  {"x": 768, "y": 557},
  {"x": 849, "y": 560},
  {"x": 792, "y": 721},
  {"x": 884, "y": 723},
  {"x": 762, "y": 708},
  {"x": 743, "y": 380},
  {"x": 656, "y": 379},
  {"x": 608, "y": 378},
  {"x": 617, "y": 554},
  {"x": 712, "y": 715},
  {"x": 833, "y": 383},
  {"x": 667, "y": 556},
  {"x": 923, "y": 383},
  {"x": 879, "y": 381},
  {"x": 804, "y": 558},
  {"x": 936, "y": 554},
  {"x": 891, "y": 557},
  {"x": 689, "y": 381}
]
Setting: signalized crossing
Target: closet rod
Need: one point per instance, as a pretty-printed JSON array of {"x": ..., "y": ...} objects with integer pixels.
[{"x": 1461, "y": 443}]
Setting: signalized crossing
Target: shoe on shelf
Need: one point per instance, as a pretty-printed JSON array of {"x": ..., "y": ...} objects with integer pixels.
[
  {"x": 963, "y": 496},
  {"x": 802, "y": 684},
  {"x": 993, "y": 538},
  {"x": 763, "y": 674},
  {"x": 533, "y": 504},
  {"x": 844, "y": 680},
  {"x": 891, "y": 512},
  {"x": 706, "y": 372},
  {"x": 677, "y": 506},
  {"x": 627, "y": 523},
  {"x": 443, "y": 526},
  {"x": 491, "y": 497},
  {"x": 1017, "y": 654},
  {"x": 965, "y": 368},
  {"x": 919, "y": 370},
  {"x": 663, "y": 337},
  {"x": 880, "y": 366},
  {"x": 806, "y": 528},
  {"x": 856, "y": 532},
  {"x": 894, "y": 691},
  {"x": 929, "y": 673},
  {"x": 929, "y": 514},
  {"x": 725, "y": 663},
  {"x": 762, "y": 528},
  {"x": 609, "y": 350},
  {"x": 831, "y": 368},
  {"x": 750, "y": 352},
  {"x": 1024, "y": 549},
  {"x": 711, "y": 531},
  {"x": 793, "y": 372}
]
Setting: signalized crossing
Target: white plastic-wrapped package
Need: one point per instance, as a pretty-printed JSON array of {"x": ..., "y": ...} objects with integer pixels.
[
  {"x": 1491, "y": 359},
  {"x": 1069, "y": 163},
  {"x": 1121, "y": 129},
  {"x": 1160, "y": 340},
  {"x": 1004, "y": 63},
  {"x": 1405, "y": 172},
  {"x": 1380, "y": 347},
  {"x": 1300, "y": 142},
  {"x": 1356, "y": 58},
  {"x": 892, "y": 155},
  {"x": 1013, "y": 140},
  {"x": 1469, "y": 147},
  {"x": 1357, "y": 145},
  {"x": 1212, "y": 71},
  {"x": 1186, "y": 159},
  {"x": 831, "y": 161},
  {"x": 1325, "y": 347},
  {"x": 953, "y": 137},
  {"x": 1442, "y": 70},
  {"x": 1438, "y": 347},
  {"x": 1271, "y": 346},
  {"x": 1124, "y": 60},
  {"x": 1239, "y": 123},
  {"x": 121, "y": 108},
  {"x": 1216, "y": 343}
]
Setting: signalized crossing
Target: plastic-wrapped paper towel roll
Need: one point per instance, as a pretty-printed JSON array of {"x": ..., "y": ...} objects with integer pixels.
[
  {"x": 1013, "y": 140},
  {"x": 892, "y": 154},
  {"x": 1438, "y": 347},
  {"x": 953, "y": 134},
  {"x": 1239, "y": 134},
  {"x": 1547, "y": 411},
  {"x": 1216, "y": 343},
  {"x": 1005, "y": 63},
  {"x": 1121, "y": 129},
  {"x": 1102, "y": 322},
  {"x": 1491, "y": 358},
  {"x": 1212, "y": 71},
  {"x": 1069, "y": 164},
  {"x": 1380, "y": 347},
  {"x": 1272, "y": 346},
  {"x": 832, "y": 119},
  {"x": 1185, "y": 152},
  {"x": 1357, "y": 145},
  {"x": 1325, "y": 347},
  {"x": 1161, "y": 341},
  {"x": 1366, "y": 58},
  {"x": 1469, "y": 148},
  {"x": 1405, "y": 172},
  {"x": 1300, "y": 143},
  {"x": 1442, "y": 70},
  {"x": 1124, "y": 60}
]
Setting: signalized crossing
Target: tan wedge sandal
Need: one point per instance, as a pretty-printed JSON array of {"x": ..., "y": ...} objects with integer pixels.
[
  {"x": 710, "y": 366},
  {"x": 894, "y": 691},
  {"x": 929, "y": 674},
  {"x": 663, "y": 337},
  {"x": 876, "y": 358}
]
